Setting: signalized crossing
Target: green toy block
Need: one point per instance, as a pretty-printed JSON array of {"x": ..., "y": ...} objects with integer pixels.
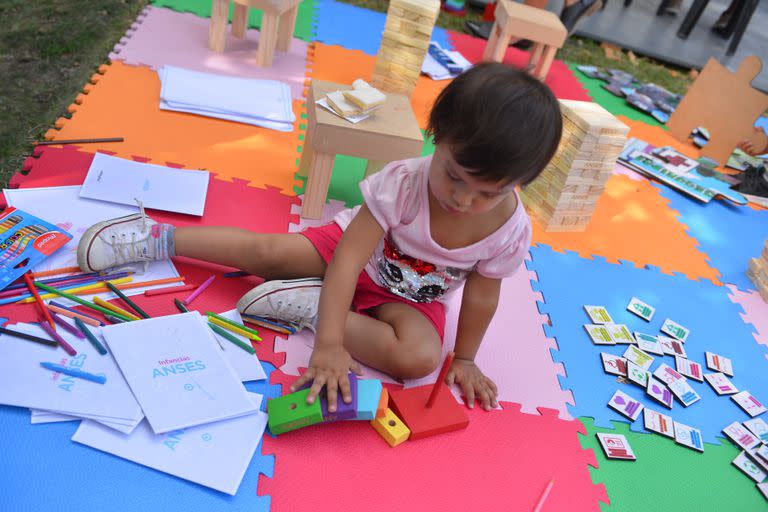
[{"x": 291, "y": 412}]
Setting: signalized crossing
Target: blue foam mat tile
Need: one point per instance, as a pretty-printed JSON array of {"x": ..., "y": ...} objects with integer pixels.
[
  {"x": 729, "y": 234},
  {"x": 357, "y": 28},
  {"x": 42, "y": 469},
  {"x": 569, "y": 282}
]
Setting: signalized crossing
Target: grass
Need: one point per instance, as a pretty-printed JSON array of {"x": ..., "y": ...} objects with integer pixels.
[{"x": 49, "y": 49}]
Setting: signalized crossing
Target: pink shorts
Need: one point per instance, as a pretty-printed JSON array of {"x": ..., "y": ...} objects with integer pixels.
[{"x": 368, "y": 294}]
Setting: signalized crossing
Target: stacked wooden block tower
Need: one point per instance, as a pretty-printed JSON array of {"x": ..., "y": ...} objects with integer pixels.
[
  {"x": 758, "y": 272},
  {"x": 564, "y": 196},
  {"x": 404, "y": 44}
]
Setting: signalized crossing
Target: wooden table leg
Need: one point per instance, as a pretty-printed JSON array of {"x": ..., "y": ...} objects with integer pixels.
[
  {"x": 497, "y": 44},
  {"x": 317, "y": 185},
  {"x": 542, "y": 69},
  {"x": 267, "y": 40},
  {"x": 286, "y": 28},
  {"x": 536, "y": 51},
  {"x": 306, "y": 156},
  {"x": 218, "y": 29},
  {"x": 374, "y": 166},
  {"x": 239, "y": 20}
]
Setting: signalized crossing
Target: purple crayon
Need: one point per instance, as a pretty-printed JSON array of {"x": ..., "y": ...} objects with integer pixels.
[{"x": 64, "y": 325}]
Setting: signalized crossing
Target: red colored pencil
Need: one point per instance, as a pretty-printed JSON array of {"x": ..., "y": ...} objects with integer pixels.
[
  {"x": 40, "y": 304},
  {"x": 169, "y": 289}
]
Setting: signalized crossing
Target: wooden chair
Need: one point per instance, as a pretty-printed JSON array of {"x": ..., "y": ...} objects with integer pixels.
[
  {"x": 736, "y": 26},
  {"x": 542, "y": 27},
  {"x": 277, "y": 25}
]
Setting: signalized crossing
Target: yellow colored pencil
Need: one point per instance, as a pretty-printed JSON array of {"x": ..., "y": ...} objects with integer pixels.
[
  {"x": 101, "y": 302},
  {"x": 233, "y": 328},
  {"x": 77, "y": 289}
]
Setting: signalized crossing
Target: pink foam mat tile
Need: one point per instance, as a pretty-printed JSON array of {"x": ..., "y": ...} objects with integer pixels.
[
  {"x": 502, "y": 461},
  {"x": 330, "y": 210},
  {"x": 755, "y": 312},
  {"x": 161, "y": 37}
]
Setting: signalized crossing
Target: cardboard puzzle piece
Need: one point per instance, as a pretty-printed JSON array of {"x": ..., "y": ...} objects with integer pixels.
[{"x": 726, "y": 104}]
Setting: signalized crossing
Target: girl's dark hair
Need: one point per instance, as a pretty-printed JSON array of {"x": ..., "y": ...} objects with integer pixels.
[{"x": 502, "y": 123}]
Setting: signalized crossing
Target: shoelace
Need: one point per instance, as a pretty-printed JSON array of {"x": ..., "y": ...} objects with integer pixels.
[
  {"x": 300, "y": 309},
  {"x": 126, "y": 251}
]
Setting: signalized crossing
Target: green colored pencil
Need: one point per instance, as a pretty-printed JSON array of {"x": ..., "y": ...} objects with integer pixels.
[
  {"x": 83, "y": 302},
  {"x": 88, "y": 334},
  {"x": 229, "y": 337},
  {"x": 235, "y": 324},
  {"x": 180, "y": 306},
  {"x": 128, "y": 301}
]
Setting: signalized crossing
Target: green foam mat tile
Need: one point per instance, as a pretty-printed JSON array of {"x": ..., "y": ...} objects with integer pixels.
[
  {"x": 669, "y": 476},
  {"x": 305, "y": 21}
]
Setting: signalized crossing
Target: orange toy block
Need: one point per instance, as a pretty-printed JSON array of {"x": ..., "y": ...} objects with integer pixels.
[
  {"x": 381, "y": 410},
  {"x": 391, "y": 428}
]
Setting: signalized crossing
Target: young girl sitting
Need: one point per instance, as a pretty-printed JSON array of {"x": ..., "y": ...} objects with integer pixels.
[{"x": 372, "y": 283}]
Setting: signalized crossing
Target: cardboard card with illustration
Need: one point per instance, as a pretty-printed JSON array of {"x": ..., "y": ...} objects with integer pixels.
[
  {"x": 749, "y": 403},
  {"x": 599, "y": 334},
  {"x": 648, "y": 343},
  {"x": 684, "y": 392},
  {"x": 615, "y": 365},
  {"x": 719, "y": 363},
  {"x": 659, "y": 392},
  {"x": 689, "y": 368},
  {"x": 637, "y": 356},
  {"x": 659, "y": 423},
  {"x": 737, "y": 433},
  {"x": 615, "y": 446},
  {"x": 758, "y": 427},
  {"x": 667, "y": 374},
  {"x": 641, "y": 309},
  {"x": 625, "y": 405},
  {"x": 689, "y": 436},
  {"x": 637, "y": 375},
  {"x": 720, "y": 383},
  {"x": 749, "y": 468}
]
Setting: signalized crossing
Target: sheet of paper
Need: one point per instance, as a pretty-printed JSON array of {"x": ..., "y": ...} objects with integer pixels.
[
  {"x": 64, "y": 207},
  {"x": 214, "y": 455},
  {"x": 246, "y": 365},
  {"x": 117, "y": 180},
  {"x": 352, "y": 119},
  {"x": 177, "y": 371},
  {"x": 24, "y": 383}
]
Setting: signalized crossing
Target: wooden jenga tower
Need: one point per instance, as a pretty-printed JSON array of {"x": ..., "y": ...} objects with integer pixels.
[
  {"x": 564, "y": 196},
  {"x": 404, "y": 44},
  {"x": 758, "y": 272}
]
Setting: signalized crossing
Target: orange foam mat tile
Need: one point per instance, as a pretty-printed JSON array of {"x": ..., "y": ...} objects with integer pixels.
[
  {"x": 124, "y": 101},
  {"x": 634, "y": 222},
  {"x": 340, "y": 65}
]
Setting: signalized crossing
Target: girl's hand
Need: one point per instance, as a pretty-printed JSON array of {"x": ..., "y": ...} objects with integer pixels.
[
  {"x": 466, "y": 374},
  {"x": 329, "y": 365}
]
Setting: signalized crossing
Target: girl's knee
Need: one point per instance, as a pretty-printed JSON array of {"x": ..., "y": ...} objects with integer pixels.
[{"x": 418, "y": 360}]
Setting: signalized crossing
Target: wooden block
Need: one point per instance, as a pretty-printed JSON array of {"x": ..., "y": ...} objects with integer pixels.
[
  {"x": 368, "y": 396},
  {"x": 381, "y": 410},
  {"x": 344, "y": 411},
  {"x": 391, "y": 428},
  {"x": 445, "y": 415},
  {"x": 291, "y": 412}
]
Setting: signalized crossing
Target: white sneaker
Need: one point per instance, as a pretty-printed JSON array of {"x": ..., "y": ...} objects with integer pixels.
[
  {"x": 291, "y": 300},
  {"x": 118, "y": 241}
]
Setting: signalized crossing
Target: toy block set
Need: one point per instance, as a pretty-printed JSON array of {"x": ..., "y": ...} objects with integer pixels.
[
  {"x": 758, "y": 272},
  {"x": 565, "y": 195}
]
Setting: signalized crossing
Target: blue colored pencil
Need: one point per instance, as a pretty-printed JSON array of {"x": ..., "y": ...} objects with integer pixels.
[
  {"x": 91, "y": 337},
  {"x": 74, "y": 372}
]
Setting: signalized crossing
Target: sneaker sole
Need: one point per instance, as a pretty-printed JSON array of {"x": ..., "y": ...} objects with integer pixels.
[
  {"x": 90, "y": 235},
  {"x": 271, "y": 287}
]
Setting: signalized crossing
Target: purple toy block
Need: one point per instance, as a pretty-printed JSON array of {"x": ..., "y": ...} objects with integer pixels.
[{"x": 344, "y": 411}]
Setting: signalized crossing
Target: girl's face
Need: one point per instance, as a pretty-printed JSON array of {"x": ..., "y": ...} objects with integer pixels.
[{"x": 458, "y": 191}]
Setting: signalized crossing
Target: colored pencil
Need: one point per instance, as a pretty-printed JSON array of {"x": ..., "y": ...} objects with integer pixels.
[
  {"x": 67, "y": 327},
  {"x": 70, "y": 314},
  {"x": 115, "y": 320},
  {"x": 120, "y": 311},
  {"x": 169, "y": 289},
  {"x": 39, "y": 301},
  {"x": 440, "y": 378},
  {"x": 227, "y": 336},
  {"x": 544, "y": 496},
  {"x": 67, "y": 285},
  {"x": 78, "y": 141},
  {"x": 242, "y": 330},
  {"x": 75, "y": 311},
  {"x": 136, "y": 285},
  {"x": 74, "y": 372},
  {"x": 55, "y": 272},
  {"x": 62, "y": 342},
  {"x": 237, "y": 273},
  {"x": 267, "y": 324},
  {"x": 84, "y": 289},
  {"x": 200, "y": 289},
  {"x": 53, "y": 280},
  {"x": 91, "y": 337},
  {"x": 254, "y": 332},
  {"x": 28, "y": 337},
  {"x": 180, "y": 306},
  {"x": 73, "y": 298},
  {"x": 128, "y": 301}
]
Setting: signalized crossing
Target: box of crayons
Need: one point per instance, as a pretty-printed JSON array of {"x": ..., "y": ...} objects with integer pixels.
[{"x": 25, "y": 241}]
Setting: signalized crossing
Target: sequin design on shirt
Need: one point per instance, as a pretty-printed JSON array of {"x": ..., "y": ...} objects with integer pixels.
[{"x": 412, "y": 278}]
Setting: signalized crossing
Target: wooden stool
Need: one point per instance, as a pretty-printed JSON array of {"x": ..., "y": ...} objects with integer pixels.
[
  {"x": 517, "y": 20},
  {"x": 277, "y": 25},
  {"x": 390, "y": 133}
]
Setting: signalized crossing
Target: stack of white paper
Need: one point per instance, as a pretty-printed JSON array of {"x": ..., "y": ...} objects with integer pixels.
[{"x": 265, "y": 103}]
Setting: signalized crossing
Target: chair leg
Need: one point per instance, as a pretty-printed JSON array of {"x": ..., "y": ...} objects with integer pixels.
[
  {"x": 217, "y": 32},
  {"x": 745, "y": 15},
  {"x": 496, "y": 47},
  {"x": 694, "y": 13},
  {"x": 542, "y": 69},
  {"x": 239, "y": 20},
  {"x": 317, "y": 185},
  {"x": 286, "y": 28},
  {"x": 267, "y": 40},
  {"x": 533, "y": 60},
  {"x": 663, "y": 7}
]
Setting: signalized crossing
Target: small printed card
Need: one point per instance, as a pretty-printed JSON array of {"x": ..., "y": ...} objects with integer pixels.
[
  {"x": 648, "y": 343},
  {"x": 666, "y": 374},
  {"x": 719, "y": 363},
  {"x": 763, "y": 488},
  {"x": 599, "y": 334},
  {"x": 620, "y": 333},
  {"x": 689, "y": 368},
  {"x": 675, "y": 330},
  {"x": 641, "y": 309},
  {"x": 759, "y": 427},
  {"x": 659, "y": 423},
  {"x": 598, "y": 315},
  {"x": 638, "y": 357},
  {"x": 749, "y": 468},
  {"x": 688, "y": 436},
  {"x": 741, "y": 436},
  {"x": 637, "y": 375},
  {"x": 761, "y": 463},
  {"x": 615, "y": 365},
  {"x": 615, "y": 446},
  {"x": 659, "y": 392},
  {"x": 749, "y": 403},
  {"x": 720, "y": 383},
  {"x": 671, "y": 346},
  {"x": 684, "y": 392},
  {"x": 762, "y": 452},
  {"x": 626, "y": 405}
]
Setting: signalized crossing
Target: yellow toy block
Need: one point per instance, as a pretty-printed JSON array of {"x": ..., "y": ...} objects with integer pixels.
[{"x": 391, "y": 428}]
